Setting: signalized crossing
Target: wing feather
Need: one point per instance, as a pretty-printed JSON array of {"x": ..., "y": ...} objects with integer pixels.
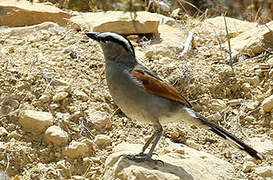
[{"x": 158, "y": 87}]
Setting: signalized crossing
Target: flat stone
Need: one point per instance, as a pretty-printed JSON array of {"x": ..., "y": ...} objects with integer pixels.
[
  {"x": 56, "y": 136},
  {"x": 252, "y": 45},
  {"x": 235, "y": 26},
  {"x": 191, "y": 164},
  {"x": 117, "y": 21},
  {"x": 23, "y": 13},
  {"x": 35, "y": 121}
]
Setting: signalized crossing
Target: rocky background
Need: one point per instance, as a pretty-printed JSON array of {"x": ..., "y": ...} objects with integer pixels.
[{"x": 58, "y": 120}]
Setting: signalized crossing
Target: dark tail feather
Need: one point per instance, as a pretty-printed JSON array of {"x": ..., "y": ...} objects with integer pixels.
[{"x": 230, "y": 137}]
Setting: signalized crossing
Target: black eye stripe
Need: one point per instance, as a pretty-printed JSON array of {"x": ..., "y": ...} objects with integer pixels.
[{"x": 112, "y": 39}]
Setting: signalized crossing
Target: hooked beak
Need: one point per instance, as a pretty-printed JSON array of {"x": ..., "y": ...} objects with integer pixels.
[{"x": 93, "y": 35}]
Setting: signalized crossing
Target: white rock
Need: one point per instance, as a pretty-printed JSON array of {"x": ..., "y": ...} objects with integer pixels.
[
  {"x": 3, "y": 176},
  {"x": 3, "y": 146},
  {"x": 248, "y": 166},
  {"x": 82, "y": 95},
  {"x": 35, "y": 121},
  {"x": 191, "y": 164},
  {"x": 3, "y": 131},
  {"x": 235, "y": 102},
  {"x": 102, "y": 140},
  {"x": 268, "y": 104},
  {"x": 215, "y": 117},
  {"x": 44, "y": 98},
  {"x": 100, "y": 120},
  {"x": 117, "y": 21},
  {"x": 59, "y": 96},
  {"x": 56, "y": 136},
  {"x": 252, "y": 45},
  {"x": 235, "y": 26},
  {"x": 24, "y": 13},
  {"x": 218, "y": 105},
  {"x": 76, "y": 150},
  {"x": 266, "y": 171},
  {"x": 170, "y": 38},
  {"x": 262, "y": 144}
]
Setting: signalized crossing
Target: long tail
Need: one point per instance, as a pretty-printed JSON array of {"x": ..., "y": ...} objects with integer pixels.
[{"x": 230, "y": 137}]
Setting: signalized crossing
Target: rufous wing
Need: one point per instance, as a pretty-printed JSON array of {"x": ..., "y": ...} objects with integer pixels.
[{"x": 158, "y": 87}]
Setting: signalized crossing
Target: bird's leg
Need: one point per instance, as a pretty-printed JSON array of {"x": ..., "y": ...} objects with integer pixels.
[
  {"x": 146, "y": 145},
  {"x": 142, "y": 156}
]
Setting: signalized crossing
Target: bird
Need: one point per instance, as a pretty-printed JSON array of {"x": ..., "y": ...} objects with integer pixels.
[{"x": 143, "y": 96}]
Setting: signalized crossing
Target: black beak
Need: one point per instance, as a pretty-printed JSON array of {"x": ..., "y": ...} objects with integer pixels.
[{"x": 93, "y": 35}]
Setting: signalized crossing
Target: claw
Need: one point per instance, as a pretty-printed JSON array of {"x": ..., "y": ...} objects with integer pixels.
[
  {"x": 137, "y": 157},
  {"x": 141, "y": 157}
]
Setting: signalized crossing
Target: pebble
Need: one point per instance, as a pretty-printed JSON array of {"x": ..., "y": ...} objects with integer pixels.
[
  {"x": 82, "y": 95},
  {"x": 218, "y": 105},
  {"x": 235, "y": 102},
  {"x": 268, "y": 104},
  {"x": 44, "y": 98},
  {"x": 102, "y": 140},
  {"x": 56, "y": 136},
  {"x": 76, "y": 150},
  {"x": 248, "y": 166},
  {"x": 3, "y": 131},
  {"x": 100, "y": 120},
  {"x": 60, "y": 96}
]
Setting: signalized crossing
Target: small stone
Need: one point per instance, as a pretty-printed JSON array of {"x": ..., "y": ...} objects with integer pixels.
[
  {"x": 14, "y": 134},
  {"x": 76, "y": 150},
  {"x": 102, "y": 140},
  {"x": 100, "y": 120},
  {"x": 78, "y": 177},
  {"x": 3, "y": 131},
  {"x": 218, "y": 105},
  {"x": 246, "y": 87},
  {"x": 56, "y": 136},
  {"x": 254, "y": 81},
  {"x": 35, "y": 121},
  {"x": 82, "y": 95},
  {"x": 268, "y": 104},
  {"x": 264, "y": 66},
  {"x": 235, "y": 102},
  {"x": 271, "y": 73},
  {"x": 60, "y": 96},
  {"x": 266, "y": 171},
  {"x": 248, "y": 166},
  {"x": 250, "y": 118},
  {"x": 215, "y": 117},
  {"x": 3, "y": 146},
  {"x": 149, "y": 54},
  {"x": 75, "y": 116},
  {"x": 192, "y": 144},
  {"x": 54, "y": 106},
  {"x": 4, "y": 176},
  {"x": 44, "y": 98}
]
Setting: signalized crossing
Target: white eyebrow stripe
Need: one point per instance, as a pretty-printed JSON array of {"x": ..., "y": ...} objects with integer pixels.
[{"x": 118, "y": 37}]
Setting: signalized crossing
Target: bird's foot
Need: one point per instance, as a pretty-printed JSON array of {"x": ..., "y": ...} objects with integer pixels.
[{"x": 141, "y": 157}]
